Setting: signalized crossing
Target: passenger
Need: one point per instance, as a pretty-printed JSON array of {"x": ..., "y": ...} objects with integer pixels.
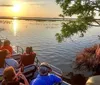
[
  {"x": 3, "y": 54},
  {"x": 44, "y": 77},
  {"x": 9, "y": 61},
  {"x": 6, "y": 61},
  {"x": 28, "y": 57},
  {"x": 95, "y": 80},
  {"x": 11, "y": 78},
  {"x": 29, "y": 50},
  {"x": 7, "y": 46}
]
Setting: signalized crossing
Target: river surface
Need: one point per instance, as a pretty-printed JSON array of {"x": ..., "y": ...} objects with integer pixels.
[{"x": 41, "y": 36}]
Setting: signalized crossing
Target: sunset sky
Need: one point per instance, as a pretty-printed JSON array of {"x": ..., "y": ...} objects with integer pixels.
[{"x": 29, "y": 8}]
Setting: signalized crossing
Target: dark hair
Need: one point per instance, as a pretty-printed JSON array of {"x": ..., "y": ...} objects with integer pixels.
[
  {"x": 6, "y": 42},
  {"x": 9, "y": 76},
  {"x": 78, "y": 79},
  {"x": 29, "y": 49},
  {"x": 3, "y": 54}
]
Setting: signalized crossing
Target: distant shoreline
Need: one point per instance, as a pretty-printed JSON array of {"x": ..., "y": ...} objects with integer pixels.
[{"x": 38, "y": 18}]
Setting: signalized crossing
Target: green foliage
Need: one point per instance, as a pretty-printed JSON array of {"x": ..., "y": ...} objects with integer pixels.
[{"x": 85, "y": 11}]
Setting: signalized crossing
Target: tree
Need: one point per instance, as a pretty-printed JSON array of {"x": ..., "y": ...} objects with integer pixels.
[
  {"x": 60, "y": 15},
  {"x": 85, "y": 10}
]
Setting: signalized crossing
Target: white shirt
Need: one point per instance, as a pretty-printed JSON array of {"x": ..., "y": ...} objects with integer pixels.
[{"x": 11, "y": 62}]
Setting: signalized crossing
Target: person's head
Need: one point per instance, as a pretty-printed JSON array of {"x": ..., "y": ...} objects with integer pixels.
[
  {"x": 78, "y": 79},
  {"x": 9, "y": 73},
  {"x": 44, "y": 69},
  {"x": 29, "y": 50},
  {"x": 3, "y": 54},
  {"x": 6, "y": 43},
  {"x": 95, "y": 80}
]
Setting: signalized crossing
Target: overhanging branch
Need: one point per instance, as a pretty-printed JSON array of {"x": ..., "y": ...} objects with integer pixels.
[{"x": 97, "y": 22}]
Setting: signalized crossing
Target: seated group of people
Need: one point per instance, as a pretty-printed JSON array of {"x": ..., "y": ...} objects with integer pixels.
[
  {"x": 9, "y": 66},
  {"x": 10, "y": 77},
  {"x": 6, "y": 57}
]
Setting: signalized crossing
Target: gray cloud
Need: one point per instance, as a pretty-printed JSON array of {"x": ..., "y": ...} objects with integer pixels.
[
  {"x": 4, "y": 5},
  {"x": 8, "y": 3}
]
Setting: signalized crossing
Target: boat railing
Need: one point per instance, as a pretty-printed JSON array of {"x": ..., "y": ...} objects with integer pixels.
[
  {"x": 18, "y": 50},
  {"x": 56, "y": 70}
]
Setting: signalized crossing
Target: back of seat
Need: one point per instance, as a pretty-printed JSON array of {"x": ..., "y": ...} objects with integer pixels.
[
  {"x": 16, "y": 57},
  {"x": 27, "y": 59},
  {"x": 29, "y": 71}
]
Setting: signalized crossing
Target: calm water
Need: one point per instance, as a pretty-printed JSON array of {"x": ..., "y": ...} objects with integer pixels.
[{"x": 41, "y": 36}]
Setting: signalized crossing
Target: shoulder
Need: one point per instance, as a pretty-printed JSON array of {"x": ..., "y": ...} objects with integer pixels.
[
  {"x": 55, "y": 77},
  {"x": 52, "y": 75},
  {"x": 35, "y": 82},
  {"x": 33, "y": 53},
  {"x": 10, "y": 47}
]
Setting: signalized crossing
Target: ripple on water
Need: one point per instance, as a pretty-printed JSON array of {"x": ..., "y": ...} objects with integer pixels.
[{"x": 41, "y": 36}]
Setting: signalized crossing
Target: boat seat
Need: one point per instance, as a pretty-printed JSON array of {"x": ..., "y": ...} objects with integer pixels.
[
  {"x": 27, "y": 59},
  {"x": 29, "y": 71},
  {"x": 16, "y": 57}
]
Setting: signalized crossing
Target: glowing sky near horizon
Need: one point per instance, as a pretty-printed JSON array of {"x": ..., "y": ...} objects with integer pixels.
[{"x": 30, "y": 8}]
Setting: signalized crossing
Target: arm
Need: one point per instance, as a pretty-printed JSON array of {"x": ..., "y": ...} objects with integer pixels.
[
  {"x": 35, "y": 82},
  {"x": 24, "y": 78},
  {"x": 16, "y": 64}
]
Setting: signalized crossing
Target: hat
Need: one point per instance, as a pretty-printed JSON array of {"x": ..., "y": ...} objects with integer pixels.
[
  {"x": 95, "y": 80},
  {"x": 44, "y": 68}
]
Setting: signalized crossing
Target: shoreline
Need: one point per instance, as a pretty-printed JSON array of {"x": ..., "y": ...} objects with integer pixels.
[{"x": 38, "y": 18}]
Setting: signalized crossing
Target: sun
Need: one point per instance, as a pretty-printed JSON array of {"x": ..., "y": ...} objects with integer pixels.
[{"x": 16, "y": 8}]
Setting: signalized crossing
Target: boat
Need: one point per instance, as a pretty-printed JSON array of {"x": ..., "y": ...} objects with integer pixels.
[{"x": 29, "y": 70}]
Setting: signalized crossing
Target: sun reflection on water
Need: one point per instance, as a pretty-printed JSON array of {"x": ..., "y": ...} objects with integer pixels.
[{"x": 15, "y": 27}]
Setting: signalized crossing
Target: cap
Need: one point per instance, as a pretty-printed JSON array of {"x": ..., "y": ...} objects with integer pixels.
[{"x": 44, "y": 68}]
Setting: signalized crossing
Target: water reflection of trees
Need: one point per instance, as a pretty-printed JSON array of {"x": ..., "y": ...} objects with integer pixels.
[{"x": 5, "y": 21}]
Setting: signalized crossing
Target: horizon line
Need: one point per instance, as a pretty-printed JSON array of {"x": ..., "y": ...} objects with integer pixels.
[{"x": 36, "y": 18}]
